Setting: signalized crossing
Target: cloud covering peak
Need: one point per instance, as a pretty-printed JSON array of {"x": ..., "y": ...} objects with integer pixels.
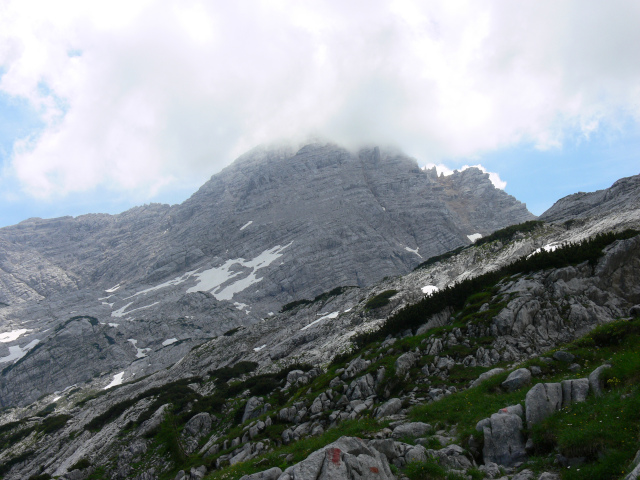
[{"x": 141, "y": 96}]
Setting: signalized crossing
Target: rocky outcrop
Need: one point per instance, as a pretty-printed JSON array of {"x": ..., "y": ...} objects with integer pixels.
[
  {"x": 623, "y": 195},
  {"x": 347, "y": 458},
  {"x": 504, "y": 442},
  {"x": 541, "y": 401}
]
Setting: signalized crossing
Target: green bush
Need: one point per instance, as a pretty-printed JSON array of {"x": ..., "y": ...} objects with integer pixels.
[
  {"x": 80, "y": 464},
  {"x": 379, "y": 300}
]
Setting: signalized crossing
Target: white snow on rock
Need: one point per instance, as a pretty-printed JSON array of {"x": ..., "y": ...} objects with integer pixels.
[
  {"x": 413, "y": 251},
  {"x": 547, "y": 248},
  {"x": 246, "y": 225},
  {"x": 242, "y": 306},
  {"x": 112, "y": 289},
  {"x": 12, "y": 335},
  {"x": 121, "y": 311},
  {"x": 117, "y": 380},
  {"x": 429, "y": 289},
  {"x": 169, "y": 283},
  {"x": 257, "y": 349},
  {"x": 212, "y": 280},
  {"x": 140, "y": 352},
  {"x": 16, "y": 352},
  {"x": 114, "y": 325},
  {"x": 169, "y": 341},
  {"x": 473, "y": 237},
  {"x": 110, "y": 304},
  {"x": 331, "y": 315}
]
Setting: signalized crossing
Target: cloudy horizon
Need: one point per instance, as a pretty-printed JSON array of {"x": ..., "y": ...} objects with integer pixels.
[{"x": 104, "y": 106}]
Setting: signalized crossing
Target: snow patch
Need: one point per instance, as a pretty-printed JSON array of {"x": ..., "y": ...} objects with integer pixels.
[
  {"x": 114, "y": 325},
  {"x": 551, "y": 247},
  {"x": 331, "y": 315},
  {"x": 413, "y": 251},
  {"x": 110, "y": 304},
  {"x": 12, "y": 335},
  {"x": 257, "y": 349},
  {"x": 169, "y": 283},
  {"x": 246, "y": 225},
  {"x": 473, "y": 237},
  {"x": 113, "y": 289},
  {"x": 211, "y": 280},
  {"x": 16, "y": 352},
  {"x": 117, "y": 380},
  {"x": 429, "y": 289},
  {"x": 140, "y": 352},
  {"x": 120, "y": 312},
  {"x": 169, "y": 341},
  {"x": 242, "y": 306}
]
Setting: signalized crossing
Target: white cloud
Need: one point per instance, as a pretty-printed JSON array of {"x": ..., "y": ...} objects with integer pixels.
[{"x": 139, "y": 96}]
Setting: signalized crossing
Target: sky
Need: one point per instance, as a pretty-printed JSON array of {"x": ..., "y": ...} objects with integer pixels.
[{"x": 109, "y": 105}]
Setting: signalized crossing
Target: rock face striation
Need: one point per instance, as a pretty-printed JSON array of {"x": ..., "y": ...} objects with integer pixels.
[
  {"x": 132, "y": 293},
  {"x": 622, "y": 197},
  {"x": 256, "y": 389}
]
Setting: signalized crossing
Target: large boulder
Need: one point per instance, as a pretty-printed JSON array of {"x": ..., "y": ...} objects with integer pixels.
[
  {"x": 404, "y": 363},
  {"x": 517, "y": 379},
  {"x": 271, "y": 474},
  {"x": 541, "y": 401},
  {"x": 452, "y": 457},
  {"x": 254, "y": 408},
  {"x": 595, "y": 382},
  {"x": 361, "y": 388},
  {"x": 504, "y": 442},
  {"x": 197, "y": 427},
  {"x": 574, "y": 391},
  {"x": 390, "y": 407},
  {"x": 347, "y": 458},
  {"x": 485, "y": 375},
  {"x": 411, "y": 430},
  {"x": 356, "y": 366}
]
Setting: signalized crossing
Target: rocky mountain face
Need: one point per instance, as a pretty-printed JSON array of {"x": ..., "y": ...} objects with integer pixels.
[
  {"x": 241, "y": 402},
  {"x": 164, "y": 372},
  {"x": 82, "y": 299},
  {"x": 623, "y": 198}
]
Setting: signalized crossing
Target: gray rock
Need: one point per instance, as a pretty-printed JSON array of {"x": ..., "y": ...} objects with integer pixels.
[
  {"x": 574, "y": 391},
  {"x": 491, "y": 469},
  {"x": 411, "y": 430},
  {"x": 198, "y": 426},
  {"x": 554, "y": 476},
  {"x": 541, "y": 401},
  {"x": 524, "y": 475},
  {"x": 503, "y": 440},
  {"x": 271, "y": 474},
  {"x": 253, "y": 408},
  {"x": 390, "y": 407},
  {"x": 356, "y": 366},
  {"x": 361, "y": 388},
  {"x": 517, "y": 379},
  {"x": 485, "y": 375},
  {"x": 347, "y": 458},
  {"x": 563, "y": 356},
  {"x": 595, "y": 382},
  {"x": 154, "y": 422},
  {"x": 535, "y": 370},
  {"x": 415, "y": 453},
  {"x": 404, "y": 363}
]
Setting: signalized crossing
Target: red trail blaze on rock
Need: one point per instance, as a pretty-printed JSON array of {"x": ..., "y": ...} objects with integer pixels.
[
  {"x": 374, "y": 469},
  {"x": 335, "y": 455}
]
